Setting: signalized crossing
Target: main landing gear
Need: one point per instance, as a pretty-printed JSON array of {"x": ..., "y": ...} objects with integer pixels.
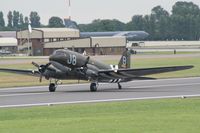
[
  {"x": 53, "y": 86},
  {"x": 93, "y": 87}
]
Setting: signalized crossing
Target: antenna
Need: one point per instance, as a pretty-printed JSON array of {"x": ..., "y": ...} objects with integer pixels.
[{"x": 69, "y": 9}]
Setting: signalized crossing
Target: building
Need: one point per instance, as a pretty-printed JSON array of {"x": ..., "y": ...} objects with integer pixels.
[
  {"x": 92, "y": 45},
  {"x": 8, "y": 44},
  {"x": 43, "y": 41},
  {"x": 39, "y": 36},
  {"x": 7, "y": 34}
]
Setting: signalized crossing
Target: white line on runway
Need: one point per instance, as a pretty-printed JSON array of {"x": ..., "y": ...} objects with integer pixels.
[
  {"x": 33, "y": 87},
  {"x": 12, "y": 95},
  {"x": 169, "y": 85},
  {"x": 97, "y": 101},
  {"x": 152, "y": 86}
]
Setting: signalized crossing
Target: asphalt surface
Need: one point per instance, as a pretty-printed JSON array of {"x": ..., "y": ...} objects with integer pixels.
[{"x": 79, "y": 93}]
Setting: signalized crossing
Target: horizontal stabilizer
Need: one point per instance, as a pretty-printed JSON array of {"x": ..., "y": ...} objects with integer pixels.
[{"x": 135, "y": 73}]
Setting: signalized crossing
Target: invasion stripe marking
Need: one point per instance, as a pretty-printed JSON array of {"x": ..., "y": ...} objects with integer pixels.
[{"x": 117, "y": 75}]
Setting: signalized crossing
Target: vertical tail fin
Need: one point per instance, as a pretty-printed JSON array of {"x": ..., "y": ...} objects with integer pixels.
[{"x": 125, "y": 61}]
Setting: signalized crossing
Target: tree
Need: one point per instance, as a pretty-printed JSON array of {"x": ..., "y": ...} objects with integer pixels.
[
  {"x": 35, "y": 19},
  {"x": 185, "y": 17},
  {"x": 162, "y": 27},
  {"x": 10, "y": 19},
  {"x": 56, "y": 22},
  {"x": 2, "y": 22},
  {"x": 103, "y": 25},
  {"x": 16, "y": 19},
  {"x": 21, "y": 19},
  {"x": 150, "y": 25},
  {"x": 26, "y": 20},
  {"x": 137, "y": 22},
  {"x": 159, "y": 12}
]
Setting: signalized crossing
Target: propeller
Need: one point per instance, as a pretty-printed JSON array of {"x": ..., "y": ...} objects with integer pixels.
[{"x": 41, "y": 69}]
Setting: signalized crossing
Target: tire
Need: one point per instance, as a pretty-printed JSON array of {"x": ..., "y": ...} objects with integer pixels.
[
  {"x": 52, "y": 87},
  {"x": 93, "y": 87},
  {"x": 119, "y": 87}
]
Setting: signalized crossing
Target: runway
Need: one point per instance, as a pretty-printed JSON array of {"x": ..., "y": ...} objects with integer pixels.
[{"x": 79, "y": 93}]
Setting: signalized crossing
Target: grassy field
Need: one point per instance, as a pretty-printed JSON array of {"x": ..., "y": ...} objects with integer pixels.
[
  {"x": 143, "y": 116},
  {"x": 140, "y": 116},
  {"x": 13, "y": 80}
]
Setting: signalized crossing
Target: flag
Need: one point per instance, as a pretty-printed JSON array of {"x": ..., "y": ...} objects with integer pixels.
[{"x": 29, "y": 28}]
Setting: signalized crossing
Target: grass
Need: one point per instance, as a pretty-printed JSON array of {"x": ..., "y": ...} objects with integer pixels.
[
  {"x": 14, "y": 80},
  {"x": 143, "y": 116},
  {"x": 171, "y": 52}
]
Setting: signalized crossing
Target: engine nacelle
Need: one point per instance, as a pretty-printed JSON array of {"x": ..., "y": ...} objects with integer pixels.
[
  {"x": 91, "y": 73},
  {"x": 60, "y": 67},
  {"x": 92, "y": 67}
]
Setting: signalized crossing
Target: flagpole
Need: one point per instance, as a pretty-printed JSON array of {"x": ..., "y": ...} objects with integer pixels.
[{"x": 29, "y": 32}]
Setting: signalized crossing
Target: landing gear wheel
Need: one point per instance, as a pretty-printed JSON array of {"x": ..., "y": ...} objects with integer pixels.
[
  {"x": 93, "y": 87},
  {"x": 52, "y": 87},
  {"x": 119, "y": 86}
]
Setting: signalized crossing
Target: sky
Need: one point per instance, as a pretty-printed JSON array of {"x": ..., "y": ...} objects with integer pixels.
[{"x": 85, "y": 11}]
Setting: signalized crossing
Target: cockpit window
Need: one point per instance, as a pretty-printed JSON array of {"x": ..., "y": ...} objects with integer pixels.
[{"x": 60, "y": 53}]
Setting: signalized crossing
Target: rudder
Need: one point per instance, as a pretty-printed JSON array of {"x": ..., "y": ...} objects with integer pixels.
[{"x": 125, "y": 61}]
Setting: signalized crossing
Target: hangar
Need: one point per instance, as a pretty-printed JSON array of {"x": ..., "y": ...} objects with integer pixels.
[
  {"x": 43, "y": 41},
  {"x": 8, "y": 44}
]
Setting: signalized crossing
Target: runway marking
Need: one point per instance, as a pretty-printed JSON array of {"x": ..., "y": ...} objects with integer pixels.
[
  {"x": 136, "y": 81},
  {"x": 152, "y": 86},
  {"x": 169, "y": 85},
  {"x": 33, "y": 87},
  {"x": 12, "y": 95},
  {"x": 98, "y": 101}
]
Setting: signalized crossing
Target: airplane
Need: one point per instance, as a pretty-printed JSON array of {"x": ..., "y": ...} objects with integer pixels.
[
  {"x": 65, "y": 64},
  {"x": 130, "y": 35}
]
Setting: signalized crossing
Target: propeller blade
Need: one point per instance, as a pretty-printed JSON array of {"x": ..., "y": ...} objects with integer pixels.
[
  {"x": 35, "y": 64},
  {"x": 41, "y": 69},
  {"x": 47, "y": 65}
]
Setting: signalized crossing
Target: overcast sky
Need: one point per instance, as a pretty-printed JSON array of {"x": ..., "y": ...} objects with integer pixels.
[{"x": 84, "y": 11}]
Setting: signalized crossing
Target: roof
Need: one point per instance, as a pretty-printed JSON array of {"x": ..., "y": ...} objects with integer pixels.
[
  {"x": 8, "y": 34},
  {"x": 49, "y": 33},
  {"x": 56, "y": 29},
  {"x": 8, "y": 42}
]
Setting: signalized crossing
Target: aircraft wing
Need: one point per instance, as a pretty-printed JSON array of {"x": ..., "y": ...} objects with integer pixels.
[
  {"x": 24, "y": 72},
  {"x": 138, "y": 73}
]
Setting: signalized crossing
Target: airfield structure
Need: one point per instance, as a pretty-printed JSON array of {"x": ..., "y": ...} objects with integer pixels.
[{"x": 44, "y": 41}]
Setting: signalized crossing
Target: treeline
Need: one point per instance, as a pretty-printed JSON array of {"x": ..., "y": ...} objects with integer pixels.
[
  {"x": 17, "y": 21},
  {"x": 182, "y": 24}
]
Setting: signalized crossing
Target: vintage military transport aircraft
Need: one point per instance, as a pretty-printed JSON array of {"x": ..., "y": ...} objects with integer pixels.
[{"x": 66, "y": 64}]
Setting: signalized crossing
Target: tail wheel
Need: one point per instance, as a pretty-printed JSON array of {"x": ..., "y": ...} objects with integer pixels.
[
  {"x": 93, "y": 87},
  {"x": 52, "y": 87},
  {"x": 119, "y": 86}
]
